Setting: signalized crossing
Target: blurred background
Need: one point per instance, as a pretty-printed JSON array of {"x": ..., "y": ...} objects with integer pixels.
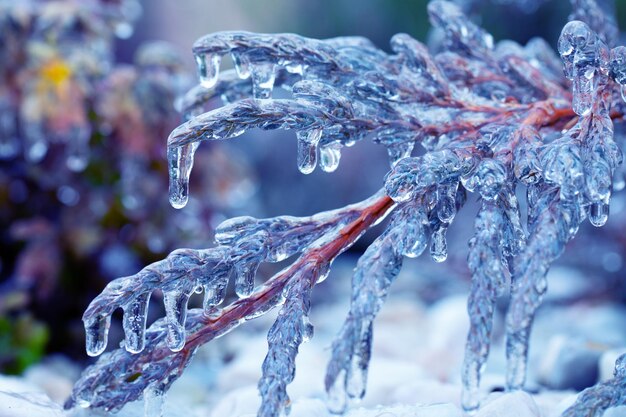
[{"x": 86, "y": 105}]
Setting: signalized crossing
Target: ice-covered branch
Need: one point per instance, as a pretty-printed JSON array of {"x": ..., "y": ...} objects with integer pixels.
[
  {"x": 490, "y": 116},
  {"x": 120, "y": 376},
  {"x": 487, "y": 262}
]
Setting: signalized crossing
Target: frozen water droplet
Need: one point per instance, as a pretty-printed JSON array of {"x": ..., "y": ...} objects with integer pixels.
[
  {"x": 153, "y": 400},
  {"x": 96, "y": 334},
  {"x": 242, "y": 65},
  {"x": 176, "y": 311},
  {"x": 180, "y": 162},
  {"x": 208, "y": 68},
  {"x": 307, "y": 149},
  {"x": 598, "y": 214},
  {"x": 446, "y": 201},
  {"x": 244, "y": 281},
  {"x": 414, "y": 232},
  {"x": 330, "y": 154},
  {"x": 417, "y": 248},
  {"x": 214, "y": 294},
  {"x": 263, "y": 77},
  {"x": 438, "y": 245},
  {"x": 337, "y": 400},
  {"x": 134, "y": 323}
]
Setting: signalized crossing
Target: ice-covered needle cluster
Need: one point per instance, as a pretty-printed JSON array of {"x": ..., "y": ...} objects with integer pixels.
[{"x": 493, "y": 119}]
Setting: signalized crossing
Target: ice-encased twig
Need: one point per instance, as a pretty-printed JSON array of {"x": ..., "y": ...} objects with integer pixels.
[
  {"x": 291, "y": 328},
  {"x": 376, "y": 270},
  {"x": 485, "y": 261},
  {"x": 178, "y": 276},
  {"x": 120, "y": 377},
  {"x": 246, "y": 242},
  {"x": 552, "y": 226},
  {"x": 412, "y": 225}
]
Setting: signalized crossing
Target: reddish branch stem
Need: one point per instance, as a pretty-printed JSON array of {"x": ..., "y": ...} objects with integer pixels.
[{"x": 232, "y": 315}]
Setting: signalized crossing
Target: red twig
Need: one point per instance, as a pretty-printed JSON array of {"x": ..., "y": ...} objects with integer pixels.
[{"x": 233, "y": 314}]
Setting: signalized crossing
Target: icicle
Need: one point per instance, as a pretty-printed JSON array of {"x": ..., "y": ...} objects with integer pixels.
[
  {"x": 244, "y": 280},
  {"x": 176, "y": 311},
  {"x": 397, "y": 151},
  {"x": 96, "y": 334},
  {"x": 622, "y": 90},
  {"x": 242, "y": 64},
  {"x": 484, "y": 261},
  {"x": 446, "y": 201},
  {"x": 307, "y": 149},
  {"x": 208, "y": 68},
  {"x": 153, "y": 401},
  {"x": 330, "y": 154},
  {"x": 337, "y": 399},
  {"x": 215, "y": 293},
  {"x": 598, "y": 214},
  {"x": 180, "y": 162},
  {"x": 134, "y": 323},
  {"x": 414, "y": 230},
  {"x": 438, "y": 245},
  {"x": 263, "y": 76}
]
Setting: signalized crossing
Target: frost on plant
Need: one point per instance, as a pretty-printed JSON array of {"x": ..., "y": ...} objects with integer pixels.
[{"x": 493, "y": 118}]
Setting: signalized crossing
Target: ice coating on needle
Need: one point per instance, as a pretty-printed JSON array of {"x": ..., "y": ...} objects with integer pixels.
[{"x": 290, "y": 329}]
